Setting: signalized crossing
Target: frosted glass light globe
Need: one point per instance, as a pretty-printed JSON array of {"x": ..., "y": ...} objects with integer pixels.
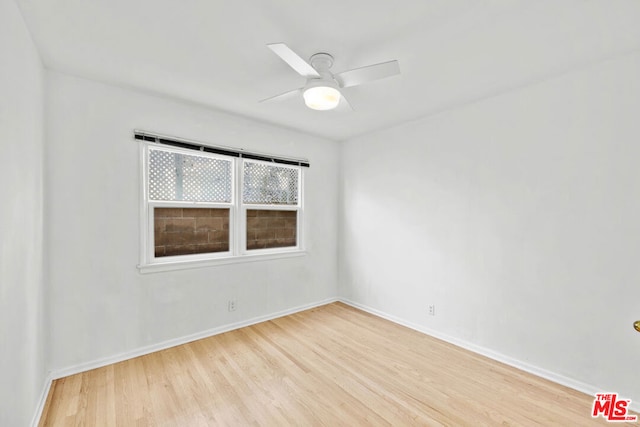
[{"x": 322, "y": 98}]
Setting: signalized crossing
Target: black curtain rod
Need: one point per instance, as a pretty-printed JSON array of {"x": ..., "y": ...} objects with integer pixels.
[{"x": 143, "y": 136}]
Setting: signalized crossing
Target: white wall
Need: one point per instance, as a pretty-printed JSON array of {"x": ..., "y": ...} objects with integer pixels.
[
  {"x": 101, "y": 305},
  {"x": 517, "y": 216},
  {"x": 22, "y": 335}
]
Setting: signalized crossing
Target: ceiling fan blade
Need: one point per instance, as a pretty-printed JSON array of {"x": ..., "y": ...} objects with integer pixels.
[
  {"x": 293, "y": 59},
  {"x": 284, "y": 95},
  {"x": 367, "y": 74}
]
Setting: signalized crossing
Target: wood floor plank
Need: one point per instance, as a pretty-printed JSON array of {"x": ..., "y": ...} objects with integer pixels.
[{"x": 329, "y": 366}]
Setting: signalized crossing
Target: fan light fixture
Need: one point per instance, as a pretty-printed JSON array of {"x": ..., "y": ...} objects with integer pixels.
[
  {"x": 322, "y": 91},
  {"x": 321, "y": 97}
]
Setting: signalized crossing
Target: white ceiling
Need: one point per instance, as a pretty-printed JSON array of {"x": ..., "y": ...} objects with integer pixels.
[{"x": 213, "y": 52}]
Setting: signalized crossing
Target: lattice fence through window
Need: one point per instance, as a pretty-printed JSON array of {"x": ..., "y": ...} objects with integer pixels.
[
  {"x": 267, "y": 184},
  {"x": 181, "y": 177}
]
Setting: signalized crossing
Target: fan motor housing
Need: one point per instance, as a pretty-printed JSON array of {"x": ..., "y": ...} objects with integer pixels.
[
  {"x": 321, "y": 61},
  {"x": 321, "y": 82}
]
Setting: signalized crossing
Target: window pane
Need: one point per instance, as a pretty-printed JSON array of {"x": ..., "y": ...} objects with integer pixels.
[
  {"x": 182, "y": 231},
  {"x": 181, "y": 177},
  {"x": 271, "y": 185},
  {"x": 271, "y": 228}
]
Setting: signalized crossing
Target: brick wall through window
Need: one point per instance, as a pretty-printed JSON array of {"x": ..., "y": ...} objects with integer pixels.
[
  {"x": 181, "y": 231},
  {"x": 271, "y": 228}
]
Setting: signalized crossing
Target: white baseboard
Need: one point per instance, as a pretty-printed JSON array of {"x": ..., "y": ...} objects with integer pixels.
[
  {"x": 518, "y": 364},
  {"x": 42, "y": 401},
  {"x": 98, "y": 363}
]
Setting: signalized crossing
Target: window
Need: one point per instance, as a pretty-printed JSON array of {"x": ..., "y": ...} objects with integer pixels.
[
  {"x": 270, "y": 201},
  {"x": 202, "y": 207}
]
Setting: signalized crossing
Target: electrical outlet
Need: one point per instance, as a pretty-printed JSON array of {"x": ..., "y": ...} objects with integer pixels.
[
  {"x": 432, "y": 310},
  {"x": 232, "y": 305}
]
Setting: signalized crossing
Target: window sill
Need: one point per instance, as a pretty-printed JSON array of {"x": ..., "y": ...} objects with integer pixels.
[{"x": 185, "y": 265}]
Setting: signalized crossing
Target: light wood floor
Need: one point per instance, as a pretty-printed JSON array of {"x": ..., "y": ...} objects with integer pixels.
[{"x": 333, "y": 366}]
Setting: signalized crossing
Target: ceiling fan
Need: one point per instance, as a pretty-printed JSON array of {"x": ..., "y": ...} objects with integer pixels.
[{"x": 322, "y": 90}]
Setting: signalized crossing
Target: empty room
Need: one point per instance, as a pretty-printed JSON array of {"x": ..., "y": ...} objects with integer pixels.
[{"x": 334, "y": 213}]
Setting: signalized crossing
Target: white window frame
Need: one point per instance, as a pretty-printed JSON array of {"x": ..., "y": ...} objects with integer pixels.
[{"x": 237, "y": 219}]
